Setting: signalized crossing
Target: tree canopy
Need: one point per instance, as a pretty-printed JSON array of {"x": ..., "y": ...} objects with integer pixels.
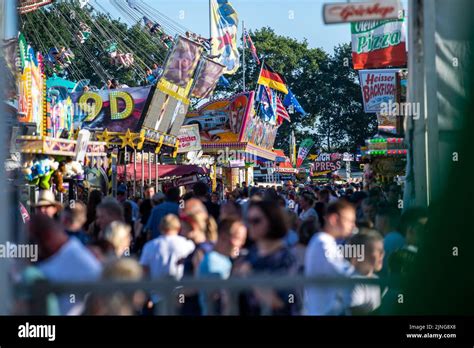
[
  {"x": 325, "y": 84},
  {"x": 57, "y": 26}
]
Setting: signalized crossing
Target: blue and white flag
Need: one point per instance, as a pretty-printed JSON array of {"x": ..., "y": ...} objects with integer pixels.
[
  {"x": 223, "y": 82},
  {"x": 290, "y": 100}
]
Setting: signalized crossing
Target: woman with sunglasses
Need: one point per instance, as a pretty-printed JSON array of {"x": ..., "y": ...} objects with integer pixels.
[{"x": 269, "y": 256}]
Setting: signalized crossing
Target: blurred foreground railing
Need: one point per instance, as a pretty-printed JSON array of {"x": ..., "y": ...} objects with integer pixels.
[{"x": 169, "y": 290}]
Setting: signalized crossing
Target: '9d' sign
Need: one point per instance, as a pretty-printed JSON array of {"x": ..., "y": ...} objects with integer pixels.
[{"x": 92, "y": 104}]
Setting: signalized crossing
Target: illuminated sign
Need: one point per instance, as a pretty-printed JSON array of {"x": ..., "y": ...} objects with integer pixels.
[{"x": 116, "y": 110}]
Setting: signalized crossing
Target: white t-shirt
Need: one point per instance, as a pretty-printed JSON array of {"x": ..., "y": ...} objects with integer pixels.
[
  {"x": 162, "y": 255},
  {"x": 308, "y": 214},
  {"x": 323, "y": 259},
  {"x": 290, "y": 204},
  {"x": 365, "y": 296},
  {"x": 72, "y": 263}
]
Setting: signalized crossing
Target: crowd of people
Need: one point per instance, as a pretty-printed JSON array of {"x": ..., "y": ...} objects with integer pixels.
[{"x": 254, "y": 231}]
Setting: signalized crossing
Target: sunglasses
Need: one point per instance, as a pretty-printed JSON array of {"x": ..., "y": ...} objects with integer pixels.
[{"x": 255, "y": 221}]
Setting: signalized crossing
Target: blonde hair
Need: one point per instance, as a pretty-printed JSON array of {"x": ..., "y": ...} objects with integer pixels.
[
  {"x": 170, "y": 222},
  {"x": 123, "y": 269},
  {"x": 116, "y": 232},
  {"x": 211, "y": 229}
]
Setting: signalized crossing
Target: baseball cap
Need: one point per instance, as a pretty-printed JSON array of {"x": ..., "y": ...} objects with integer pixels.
[
  {"x": 159, "y": 196},
  {"x": 122, "y": 188}
]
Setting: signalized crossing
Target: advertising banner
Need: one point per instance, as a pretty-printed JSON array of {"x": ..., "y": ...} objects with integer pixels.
[
  {"x": 182, "y": 62},
  {"x": 326, "y": 163},
  {"x": 189, "y": 138},
  {"x": 361, "y": 11},
  {"x": 186, "y": 181},
  {"x": 31, "y": 97},
  {"x": 206, "y": 80},
  {"x": 259, "y": 132},
  {"x": 26, "y": 6},
  {"x": 378, "y": 44},
  {"x": 165, "y": 113},
  {"x": 378, "y": 86},
  {"x": 347, "y": 157},
  {"x": 305, "y": 147},
  {"x": 115, "y": 110},
  {"x": 222, "y": 120},
  {"x": 387, "y": 123}
]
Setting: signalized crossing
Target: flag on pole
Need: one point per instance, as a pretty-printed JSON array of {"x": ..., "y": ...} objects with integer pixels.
[
  {"x": 282, "y": 114},
  {"x": 268, "y": 77},
  {"x": 223, "y": 82},
  {"x": 249, "y": 43},
  {"x": 268, "y": 105},
  {"x": 224, "y": 21},
  {"x": 293, "y": 148},
  {"x": 290, "y": 99},
  {"x": 305, "y": 147}
]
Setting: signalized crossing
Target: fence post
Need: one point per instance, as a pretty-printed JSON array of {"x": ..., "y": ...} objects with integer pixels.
[{"x": 39, "y": 298}]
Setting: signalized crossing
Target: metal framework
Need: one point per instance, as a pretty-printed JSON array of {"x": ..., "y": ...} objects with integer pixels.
[{"x": 169, "y": 290}]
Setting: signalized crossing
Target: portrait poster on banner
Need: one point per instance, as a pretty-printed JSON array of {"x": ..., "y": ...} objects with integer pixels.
[
  {"x": 378, "y": 44},
  {"x": 182, "y": 62},
  {"x": 207, "y": 77}
]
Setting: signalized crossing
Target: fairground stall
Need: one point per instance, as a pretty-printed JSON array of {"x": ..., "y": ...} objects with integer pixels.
[
  {"x": 141, "y": 125},
  {"x": 235, "y": 136},
  {"x": 385, "y": 161},
  {"x": 54, "y": 154},
  {"x": 385, "y": 155}
]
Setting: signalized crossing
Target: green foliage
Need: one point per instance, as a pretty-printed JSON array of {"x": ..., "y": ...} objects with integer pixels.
[
  {"x": 57, "y": 26},
  {"x": 325, "y": 85}
]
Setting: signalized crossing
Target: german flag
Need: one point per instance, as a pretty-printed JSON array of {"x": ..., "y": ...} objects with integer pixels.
[{"x": 268, "y": 77}]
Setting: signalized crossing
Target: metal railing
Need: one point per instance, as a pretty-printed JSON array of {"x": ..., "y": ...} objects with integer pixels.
[{"x": 168, "y": 289}]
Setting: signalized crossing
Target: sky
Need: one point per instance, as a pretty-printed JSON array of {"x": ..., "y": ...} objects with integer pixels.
[
  {"x": 294, "y": 18},
  {"x": 299, "y": 19}
]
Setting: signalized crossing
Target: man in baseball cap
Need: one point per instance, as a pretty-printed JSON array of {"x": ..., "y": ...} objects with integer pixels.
[{"x": 47, "y": 204}]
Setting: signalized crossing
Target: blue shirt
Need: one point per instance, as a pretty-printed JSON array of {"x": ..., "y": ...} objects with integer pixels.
[
  {"x": 158, "y": 213},
  {"x": 135, "y": 209},
  {"x": 81, "y": 235},
  {"x": 213, "y": 265},
  {"x": 391, "y": 243}
]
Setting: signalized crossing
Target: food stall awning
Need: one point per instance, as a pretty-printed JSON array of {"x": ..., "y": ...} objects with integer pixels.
[
  {"x": 164, "y": 170},
  {"x": 280, "y": 156},
  {"x": 284, "y": 165}
]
